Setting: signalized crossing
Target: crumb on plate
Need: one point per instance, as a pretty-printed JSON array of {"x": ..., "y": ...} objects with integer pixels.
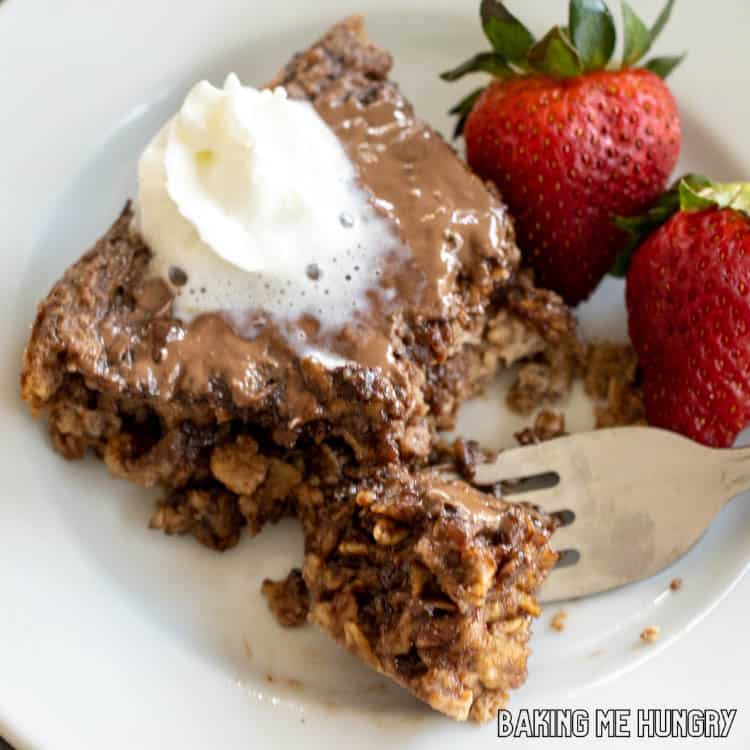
[
  {"x": 559, "y": 620},
  {"x": 611, "y": 378},
  {"x": 547, "y": 425},
  {"x": 609, "y": 373},
  {"x": 651, "y": 634}
]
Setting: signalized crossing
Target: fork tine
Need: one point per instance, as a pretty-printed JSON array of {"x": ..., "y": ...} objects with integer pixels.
[
  {"x": 552, "y": 499},
  {"x": 566, "y": 495},
  {"x": 517, "y": 463},
  {"x": 641, "y": 498}
]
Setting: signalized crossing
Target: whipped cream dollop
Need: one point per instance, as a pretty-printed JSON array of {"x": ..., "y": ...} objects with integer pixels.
[{"x": 248, "y": 201}]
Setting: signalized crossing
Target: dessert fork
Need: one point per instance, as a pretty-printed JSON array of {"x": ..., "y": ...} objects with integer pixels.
[{"x": 630, "y": 500}]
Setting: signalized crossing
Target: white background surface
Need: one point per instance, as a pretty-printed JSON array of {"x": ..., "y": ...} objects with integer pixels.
[{"x": 111, "y": 636}]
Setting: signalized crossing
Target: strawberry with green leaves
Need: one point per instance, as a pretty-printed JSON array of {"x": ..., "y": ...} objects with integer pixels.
[
  {"x": 688, "y": 298},
  {"x": 569, "y": 139}
]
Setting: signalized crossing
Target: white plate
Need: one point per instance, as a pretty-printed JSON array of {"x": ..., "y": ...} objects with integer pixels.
[{"x": 113, "y": 636}]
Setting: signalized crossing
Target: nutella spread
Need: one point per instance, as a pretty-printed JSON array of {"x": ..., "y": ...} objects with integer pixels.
[
  {"x": 447, "y": 218},
  {"x": 436, "y": 222},
  {"x": 465, "y": 499}
]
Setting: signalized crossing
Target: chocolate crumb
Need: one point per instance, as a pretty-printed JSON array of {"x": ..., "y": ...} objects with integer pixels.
[
  {"x": 467, "y": 455},
  {"x": 547, "y": 425},
  {"x": 611, "y": 379},
  {"x": 288, "y": 599},
  {"x": 177, "y": 276}
]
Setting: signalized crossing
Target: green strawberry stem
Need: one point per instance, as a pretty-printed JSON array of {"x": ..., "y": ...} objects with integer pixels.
[
  {"x": 463, "y": 110},
  {"x": 509, "y": 38},
  {"x": 585, "y": 45},
  {"x": 556, "y": 56},
  {"x": 592, "y": 31},
  {"x": 484, "y": 62},
  {"x": 693, "y": 192},
  {"x": 734, "y": 195}
]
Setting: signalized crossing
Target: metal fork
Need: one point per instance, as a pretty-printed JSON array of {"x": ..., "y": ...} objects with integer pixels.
[{"x": 631, "y": 500}]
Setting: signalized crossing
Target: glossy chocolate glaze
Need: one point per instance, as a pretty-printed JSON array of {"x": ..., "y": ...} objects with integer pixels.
[
  {"x": 444, "y": 221},
  {"x": 446, "y": 217}
]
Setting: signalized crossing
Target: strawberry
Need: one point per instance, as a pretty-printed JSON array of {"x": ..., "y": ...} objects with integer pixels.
[
  {"x": 568, "y": 143},
  {"x": 688, "y": 299}
]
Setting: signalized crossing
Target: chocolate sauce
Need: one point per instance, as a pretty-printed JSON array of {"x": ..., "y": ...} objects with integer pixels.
[
  {"x": 444, "y": 222},
  {"x": 445, "y": 216},
  {"x": 462, "y": 496}
]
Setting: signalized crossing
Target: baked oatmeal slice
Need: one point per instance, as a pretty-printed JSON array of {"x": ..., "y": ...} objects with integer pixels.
[
  {"x": 428, "y": 581},
  {"x": 116, "y": 370}
]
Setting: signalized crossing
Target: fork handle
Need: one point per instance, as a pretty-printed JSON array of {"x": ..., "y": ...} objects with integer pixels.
[{"x": 734, "y": 464}]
